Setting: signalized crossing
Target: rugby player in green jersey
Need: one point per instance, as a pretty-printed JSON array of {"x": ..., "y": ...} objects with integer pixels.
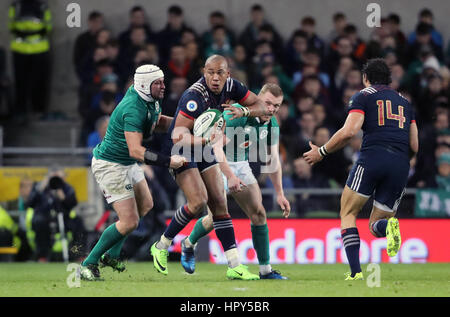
[
  {"x": 115, "y": 168},
  {"x": 247, "y": 134}
]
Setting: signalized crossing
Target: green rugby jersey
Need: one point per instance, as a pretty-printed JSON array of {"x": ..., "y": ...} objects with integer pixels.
[
  {"x": 249, "y": 137},
  {"x": 132, "y": 114}
]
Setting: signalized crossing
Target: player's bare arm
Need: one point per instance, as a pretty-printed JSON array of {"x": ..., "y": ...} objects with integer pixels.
[
  {"x": 352, "y": 125},
  {"x": 413, "y": 139},
  {"x": 137, "y": 151},
  {"x": 276, "y": 178}
]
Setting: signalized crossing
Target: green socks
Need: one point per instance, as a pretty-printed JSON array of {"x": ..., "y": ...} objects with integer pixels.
[
  {"x": 260, "y": 238},
  {"x": 198, "y": 231},
  {"x": 109, "y": 238}
]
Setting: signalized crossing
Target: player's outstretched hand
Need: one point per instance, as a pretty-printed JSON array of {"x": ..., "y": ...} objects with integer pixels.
[
  {"x": 235, "y": 183},
  {"x": 234, "y": 111},
  {"x": 312, "y": 156},
  {"x": 176, "y": 161},
  {"x": 285, "y": 205}
]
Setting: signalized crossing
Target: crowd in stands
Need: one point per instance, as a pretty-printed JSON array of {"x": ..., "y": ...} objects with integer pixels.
[{"x": 317, "y": 74}]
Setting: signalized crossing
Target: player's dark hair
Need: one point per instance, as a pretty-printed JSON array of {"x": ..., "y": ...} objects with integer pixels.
[{"x": 377, "y": 72}]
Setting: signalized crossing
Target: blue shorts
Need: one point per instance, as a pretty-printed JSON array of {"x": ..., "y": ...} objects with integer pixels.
[
  {"x": 201, "y": 160},
  {"x": 380, "y": 174}
]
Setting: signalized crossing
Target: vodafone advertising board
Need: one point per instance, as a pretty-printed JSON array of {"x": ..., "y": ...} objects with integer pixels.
[{"x": 317, "y": 241}]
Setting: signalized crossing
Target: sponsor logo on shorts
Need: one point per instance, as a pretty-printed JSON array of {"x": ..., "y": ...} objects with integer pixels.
[{"x": 128, "y": 187}]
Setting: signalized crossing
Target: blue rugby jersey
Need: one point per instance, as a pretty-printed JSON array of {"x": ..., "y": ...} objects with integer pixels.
[{"x": 387, "y": 118}]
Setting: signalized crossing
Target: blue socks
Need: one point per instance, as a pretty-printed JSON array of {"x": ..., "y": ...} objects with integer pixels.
[
  {"x": 379, "y": 227},
  {"x": 350, "y": 238},
  {"x": 181, "y": 218},
  {"x": 224, "y": 229}
]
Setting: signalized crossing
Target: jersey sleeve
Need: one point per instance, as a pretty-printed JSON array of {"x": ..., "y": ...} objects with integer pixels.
[
  {"x": 132, "y": 121},
  {"x": 190, "y": 106},
  {"x": 238, "y": 122},
  {"x": 357, "y": 103},
  {"x": 274, "y": 132},
  {"x": 239, "y": 91}
]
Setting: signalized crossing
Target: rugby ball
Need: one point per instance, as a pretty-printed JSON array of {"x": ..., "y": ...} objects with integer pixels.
[{"x": 205, "y": 122}]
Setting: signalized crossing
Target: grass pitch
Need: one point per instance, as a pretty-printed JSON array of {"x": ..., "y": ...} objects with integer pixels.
[{"x": 141, "y": 280}]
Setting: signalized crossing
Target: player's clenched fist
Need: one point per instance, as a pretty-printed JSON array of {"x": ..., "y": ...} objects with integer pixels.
[{"x": 176, "y": 161}]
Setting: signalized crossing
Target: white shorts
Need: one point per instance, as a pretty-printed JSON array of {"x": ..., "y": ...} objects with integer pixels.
[
  {"x": 116, "y": 180},
  {"x": 242, "y": 170}
]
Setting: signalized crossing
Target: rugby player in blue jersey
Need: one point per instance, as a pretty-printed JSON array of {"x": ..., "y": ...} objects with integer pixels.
[{"x": 390, "y": 140}]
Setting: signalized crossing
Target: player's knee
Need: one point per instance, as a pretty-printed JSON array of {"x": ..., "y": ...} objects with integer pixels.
[
  {"x": 131, "y": 224},
  {"x": 198, "y": 205},
  {"x": 146, "y": 207},
  {"x": 258, "y": 217}
]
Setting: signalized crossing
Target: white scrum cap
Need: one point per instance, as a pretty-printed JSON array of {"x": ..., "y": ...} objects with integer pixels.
[{"x": 144, "y": 77}]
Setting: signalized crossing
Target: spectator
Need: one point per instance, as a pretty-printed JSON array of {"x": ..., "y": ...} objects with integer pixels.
[
  {"x": 295, "y": 51},
  {"x": 358, "y": 45},
  {"x": 217, "y": 18},
  {"x": 103, "y": 36},
  {"x": 220, "y": 44},
  {"x": 188, "y": 35},
  {"x": 85, "y": 43},
  {"x": 423, "y": 39},
  {"x": 250, "y": 36},
  {"x": 397, "y": 75},
  {"x": 193, "y": 56},
  {"x": 343, "y": 49},
  {"x": 127, "y": 54},
  {"x": 393, "y": 23},
  {"x": 352, "y": 151},
  {"x": 308, "y": 25},
  {"x": 31, "y": 59},
  {"x": 312, "y": 86},
  {"x": 339, "y": 24},
  {"x": 442, "y": 179},
  {"x": 338, "y": 80},
  {"x": 238, "y": 64},
  {"x": 312, "y": 60},
  {"x": 339, "y": 175},
  {"x": 304, "y": 177},
  {"x": 268, "y": 33},
  {"x": 177, "y": 86},
  {"x": 171, "y": 34},
  {"x": 137, "y": 19},
  {"x": 51, "y": 196},
  {"x": 426, "y": 17},
  {"x": 178, "y": 66},
  {"x": 97, "y": 136}
]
